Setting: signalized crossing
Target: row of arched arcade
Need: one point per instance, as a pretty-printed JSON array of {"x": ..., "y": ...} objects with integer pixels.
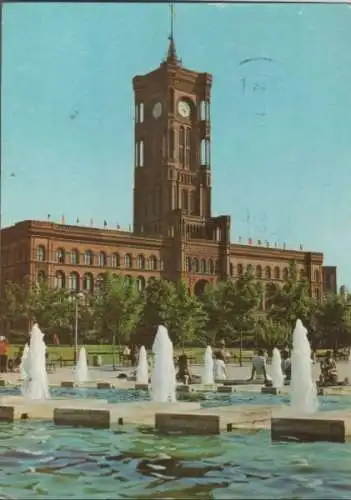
[{"x": 87, "y": 282}]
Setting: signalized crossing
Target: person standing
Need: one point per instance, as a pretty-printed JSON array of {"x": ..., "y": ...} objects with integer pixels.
[
  {"x": 224, "y": 352},
  {"x": 126, "y": 354},
  {"x": 286, "y": 365},
  {"x": 4, "y": 354},
  {"x": 259, "y": 367},
  {"x": 134, "y": 355},
  {"x": 183, "y": 374},
  {"x": 219, "y": 368}
]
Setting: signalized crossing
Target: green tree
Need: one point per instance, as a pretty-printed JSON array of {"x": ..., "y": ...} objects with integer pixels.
[
  {"x": 291, "y": 301},
  {"x": 233, "y": 307},
  {"x": 51, "y": 308},
  {"x": 270, "y": 334},
  {"x": 24, "y": 303},
  {"x": 12, "y": 311},
  {"x": 117, "y": 307},
  {"x": 187, "y": 318},
  {"x": 332, "y": 322},
  {"x": 160, "y": 300}
]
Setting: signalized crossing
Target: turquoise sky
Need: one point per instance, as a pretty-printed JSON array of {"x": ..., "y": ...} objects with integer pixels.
[{"x": 281, "y": 144}]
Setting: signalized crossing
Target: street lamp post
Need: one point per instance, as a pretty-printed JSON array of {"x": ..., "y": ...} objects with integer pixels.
[
  {"x": 77, "y": 296},
  {"x": 241, "y": 348}
]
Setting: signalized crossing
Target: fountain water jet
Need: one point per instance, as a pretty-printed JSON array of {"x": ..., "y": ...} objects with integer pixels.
[
  {"x": 276, "y": 371},
  {"x": 207, "y": 372},
  {"x": 303, "y": 394},
  {"x": 36, "y": 385},
  {"x": 142, "y": 371},
  {"x": 23, "y": 373},
  {"x": 163, "y": 376},
  {"x": 81, "y": 371}
]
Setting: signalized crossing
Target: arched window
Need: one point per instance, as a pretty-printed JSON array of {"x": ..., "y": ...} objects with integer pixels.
[
  {"x": 59, "y": 280},
  {"x": 140, "y": 282},
  {"x": 153, "y": 263},
  {"x": 115, "y": 260},
  {"x": 88, "y": 258},
  {"x": 41, "y": 277},
  {"x": 231, "y": 269},
  {"x": 195, "y": 265},
  {"x": 73, "y": 282},
  {"x": 102, "y": 259},
  {"x": 217, "y": 266},
  {"x": 240, "y": 269},
  {"x": 203, "y": 158},
  {"x": 74, "y": 257},
  {"x": 181, "y": 145},
  {"x": 99, "y": 282},
  {"x": 316, "y": 276},
  {"x": 40, "y": 253},
  {"x": 141, "y": 261},
  {"x": 88, "y": 282},
  {"x": 128, "y": 261},
  {"x": 211, "y": 266},
  {"x": 285, "y": 273},
  {"x": 203, "y": 266},
  {"x": 317, "y": 294},
  {"x": 259, "y": 272},
  {"x": 128, "y": 280},
  {"x": 249, "y": 268},
  {"x": 268, "y": 273},
  {"x": 60, "y": 256},
  {"x": 277, "y": 273},
  {"x": 141, "y": 154},
  {"x": 188, "y": 264}
]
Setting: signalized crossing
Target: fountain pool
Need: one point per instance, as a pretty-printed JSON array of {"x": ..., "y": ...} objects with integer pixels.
[{"x": 39, "y": 460}]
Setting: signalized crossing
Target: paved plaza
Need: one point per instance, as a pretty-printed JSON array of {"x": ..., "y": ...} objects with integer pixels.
[{"x": 106, "y": 373}]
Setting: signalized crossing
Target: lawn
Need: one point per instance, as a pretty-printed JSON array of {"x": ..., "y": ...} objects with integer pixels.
[
  {"x": 196, "y": 354},
  {"x": 106, "y": 352}
]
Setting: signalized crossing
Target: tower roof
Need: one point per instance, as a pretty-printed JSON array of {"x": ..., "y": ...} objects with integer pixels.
[{"x": 172, "y": 51}]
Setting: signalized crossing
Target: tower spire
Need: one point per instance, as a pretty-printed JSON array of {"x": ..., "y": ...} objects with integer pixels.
[{"x": 172, "y": 53}]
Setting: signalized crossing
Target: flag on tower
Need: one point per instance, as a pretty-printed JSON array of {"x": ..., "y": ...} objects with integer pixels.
[
  {"x": 77, "y": 220},
  {"x": 62, "y": 219},
  {"x": 105, "y": 223}
]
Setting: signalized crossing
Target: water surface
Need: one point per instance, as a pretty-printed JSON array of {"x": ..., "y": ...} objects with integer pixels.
[{"x": 39, "y": 460}]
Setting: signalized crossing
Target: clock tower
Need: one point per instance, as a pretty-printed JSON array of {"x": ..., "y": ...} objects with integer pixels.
[{"x": 172, "y": 162}]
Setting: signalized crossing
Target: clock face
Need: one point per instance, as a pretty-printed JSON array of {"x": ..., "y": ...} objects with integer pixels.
[
  {"x": 157, "y": 110},
  {"x": 184, "y": 109}
]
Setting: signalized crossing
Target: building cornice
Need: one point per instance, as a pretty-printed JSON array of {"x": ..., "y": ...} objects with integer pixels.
[{"x": 259, "y": 252}]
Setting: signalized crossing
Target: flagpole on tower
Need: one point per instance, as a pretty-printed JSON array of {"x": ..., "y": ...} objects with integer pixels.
[
  {"x": 171, "y": 7},
  {"x": 172, "y": 53}
]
